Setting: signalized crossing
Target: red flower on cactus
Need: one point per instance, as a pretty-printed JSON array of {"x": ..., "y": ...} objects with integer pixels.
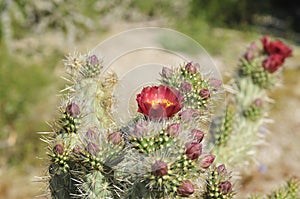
[
  {"x": 277, "y": 52},
  {"x": 273, "y": 62},
  {"x": 276, "y": 47},
  {"x": 159, "y": 102}
]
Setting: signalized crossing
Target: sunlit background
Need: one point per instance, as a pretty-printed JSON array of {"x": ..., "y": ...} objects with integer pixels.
[{"x": 36, "y": 34}]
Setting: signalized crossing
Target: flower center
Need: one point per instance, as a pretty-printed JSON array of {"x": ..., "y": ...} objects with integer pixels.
[{"x": 165, "y": 102}]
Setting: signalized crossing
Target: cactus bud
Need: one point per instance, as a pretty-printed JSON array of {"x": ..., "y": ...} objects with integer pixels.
[
  {"x": 204, "y": 93},
  {"x": 191, "y": 67},
  {"x": 91, "y": 134},
  {"x": 77, "y": 149},
  {"x": 140, "y": 129},
  {"x": 193, "y": 150},
  {"x": 225, "y": 187},
  {"x": 173, "y": 129},
  {"x": 215, "y": 83},
  {"x": 197, "y": 135},
  {"x": 73, "y": 109},
  {"x": 93, "y": 60},
  {"x": 258, "y": 102},
  {"x": 186, "y": 188},
  {"x": 92, "y": 148},
  {"x": 188, "y": 114},
  {"x": 185, "y": 87},
  {"x": 221, "y": 169},
  {"x": 115, "y": 138},
  {"x": 167, "y": 72},
  {"x": 249, "y": 55},
  {"x": 58, "y": 149},
  {"x": 159, "y": 168},
  {"x": 207, "y": 160}
]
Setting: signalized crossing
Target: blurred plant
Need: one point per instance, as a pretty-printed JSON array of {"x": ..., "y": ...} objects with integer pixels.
[
  {"x": 289, "y": 191},
  {"x": 21, "y": 111},
  {"x": 71, "y": 18},
  {"x": 239, "y": 129}
]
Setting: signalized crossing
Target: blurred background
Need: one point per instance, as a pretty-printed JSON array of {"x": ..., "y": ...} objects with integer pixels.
[{"x": 35, "y": 35}]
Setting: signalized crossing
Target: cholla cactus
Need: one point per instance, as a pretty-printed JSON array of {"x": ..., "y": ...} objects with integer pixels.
[
  {"x": 236, "y": 138},
  {"x": 163, "y": 151},
  {"x": 78, "y": 133}
]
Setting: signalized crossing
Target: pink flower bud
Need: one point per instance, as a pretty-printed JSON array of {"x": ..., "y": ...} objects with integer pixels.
[
  {"x": 140, "y": 129},
  {"x": 215, "y": 83},
  {"x": 58, "y": 149},
  {"x": 167, "y": 72},
  {"x": 91, "y": 134},
  {"x": 221, "y": 169},
  {"x": 185, "y": 87},
  {"x": 77, "y": 149},
  {"x": 185, "y": 189},
  {"x": 193, "y": 150},
  {"x": 207, "y": 160},
  {"x": 204, "y": 94},
  {"x": 93, "y": 60},
  {"x": 188, "y": 114},
  {"x": 249, "y": 55},
  {"x": 191, "y": 67},
  {"x": 115, "y": 138},
  {"x": 225, "y": 187},
  {"x": 258, "y": 102},
  {"x": 73, "y": 110},
  {"x": 197, "y": 135},
  {"x": 92, "y": 148},
  {"x": 159, "y": 168},
  {"x": 173, "y": 129}
]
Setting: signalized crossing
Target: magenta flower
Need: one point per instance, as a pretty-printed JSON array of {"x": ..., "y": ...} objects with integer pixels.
[{"x": 159, "y": 102}]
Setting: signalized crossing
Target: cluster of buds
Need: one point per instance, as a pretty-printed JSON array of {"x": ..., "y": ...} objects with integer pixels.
[
  {"x": 254, "y": 111},
  {"x": 83, "y": 66},
  {"x": 196, "y": 90},
  {"x": 173, "y": 145},
  {"x": 218, "y": 184}
]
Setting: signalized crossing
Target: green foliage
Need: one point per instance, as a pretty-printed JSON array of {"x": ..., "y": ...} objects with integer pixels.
[{"x": 24, "y": 84}]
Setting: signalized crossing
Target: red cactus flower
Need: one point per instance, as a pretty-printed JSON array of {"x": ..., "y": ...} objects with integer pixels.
[
  {"x": 159, "y": 102},
  {"x": 276, "y": 47},
  {"x": 273, "y": 62}
]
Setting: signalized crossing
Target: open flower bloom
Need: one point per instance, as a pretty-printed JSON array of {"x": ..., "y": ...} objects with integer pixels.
[
  {"x": 159, "y": 102},
  {"x": 276, "y": 47},
  {"x": 277, "y": 52}
]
